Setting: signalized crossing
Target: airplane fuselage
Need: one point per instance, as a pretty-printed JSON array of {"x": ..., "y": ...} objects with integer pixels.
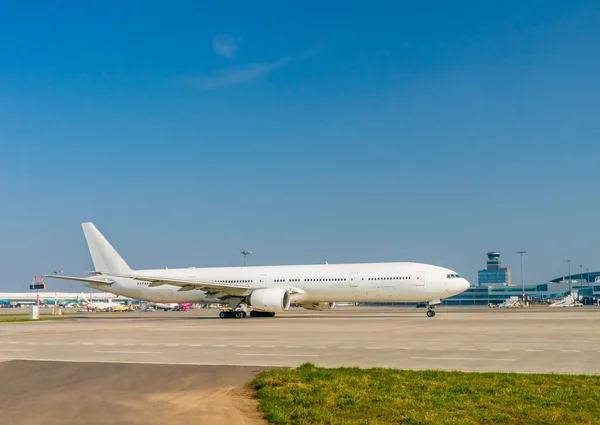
[{"x": 366, "y": 282}]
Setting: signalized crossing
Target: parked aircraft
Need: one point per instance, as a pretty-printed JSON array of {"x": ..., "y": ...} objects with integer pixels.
[
  {"x": 270, "y": 289},
  {"x": 96, "y": 305}
]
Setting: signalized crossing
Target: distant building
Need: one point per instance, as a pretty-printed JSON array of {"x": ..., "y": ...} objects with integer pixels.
[
  {"x": 494, "y": 273},
  {"x": 583, "y": 278},
  {"x": 13, "y": 299}
]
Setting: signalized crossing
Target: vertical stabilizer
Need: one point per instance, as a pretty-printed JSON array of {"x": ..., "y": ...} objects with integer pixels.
[{"x": 104, "y": 256}]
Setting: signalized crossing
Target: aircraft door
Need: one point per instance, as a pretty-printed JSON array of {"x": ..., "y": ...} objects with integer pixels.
[
  {"x": 354, "y": 278},
  {"x": 262, "y": 281},
  {"x": 420, "y": 279}
]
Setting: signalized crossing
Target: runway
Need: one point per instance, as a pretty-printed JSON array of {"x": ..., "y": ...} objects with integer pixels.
[{"x": 537, "y": 339}]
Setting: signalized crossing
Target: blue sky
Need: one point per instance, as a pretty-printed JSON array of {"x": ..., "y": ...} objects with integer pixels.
[{"x": 307, "y": 132}]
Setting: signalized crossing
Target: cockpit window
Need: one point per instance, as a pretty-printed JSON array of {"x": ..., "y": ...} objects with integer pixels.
[{"x": 452, "y": 276}]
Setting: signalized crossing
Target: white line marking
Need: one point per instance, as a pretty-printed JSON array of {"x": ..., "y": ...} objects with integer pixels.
[
  {"x": 129, "y": 352},
  {"x": 49, "y": 343},
  {"x": 462, "y": 358},
  {"x": 15, "y": 349},
  {"x": 534, "y": 351},
  {"x": 278, "y": 355},
  {"x": 347, "y": 348},
  {"x": 219, "y": 345},
  {"x": 108, "y": 343},
  {"x": 499, "y": 349},
  {"x": 375, "y": 348},
  {"x": 291, "y": 346},
  {"x": 242, "y": 346},
  {"x": 570, "y": 351},
  {"x": 172, "y": 345},
  {"x": 468, "y": 349},
  {"x": 194, "y": 345},
  {"x": 149, "y": 345}
]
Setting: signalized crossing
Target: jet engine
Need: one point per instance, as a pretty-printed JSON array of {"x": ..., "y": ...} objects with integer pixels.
[
  {"x": 318, "y": 306},
  {"x": 274, "y": 300}
]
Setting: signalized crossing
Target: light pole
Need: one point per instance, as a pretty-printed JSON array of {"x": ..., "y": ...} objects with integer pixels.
[
  {"x": 522, "y": 278},
  {"x": 570, "y": 287},
  {"x": 587, "y": 277},
  {"x": 580, "y": 274},
  {"x": 245, "y": 253}
]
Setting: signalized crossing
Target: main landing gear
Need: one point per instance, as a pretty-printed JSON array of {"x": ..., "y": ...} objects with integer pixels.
[
  {"x": 239, "y": 314},
  {"x": 256, "y": 313},
  {"x": 430, "y": 311},
  {"x": 232, "y": 314}
]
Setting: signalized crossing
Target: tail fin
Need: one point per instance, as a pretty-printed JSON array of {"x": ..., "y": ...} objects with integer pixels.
[
  {"x": 81, "y": 299},
  {"x": 104, "y": 256}
]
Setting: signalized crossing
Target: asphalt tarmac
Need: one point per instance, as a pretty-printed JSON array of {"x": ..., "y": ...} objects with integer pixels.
[
  {"x": 537, "y": 339},
  {"x": 193, "y": 368},
  {"x": 65, "y": 393}
]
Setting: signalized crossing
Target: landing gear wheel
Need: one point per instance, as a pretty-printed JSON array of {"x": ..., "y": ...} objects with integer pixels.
[
  {"x": 256, "y": 313},
  {"x": 222, "y": 315},
  {"x": 244, "y": 314},
  {"x": 430, "y": 313},
  {"x": 239, "y": 314}
]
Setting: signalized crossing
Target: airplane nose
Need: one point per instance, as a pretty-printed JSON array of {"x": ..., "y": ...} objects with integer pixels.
[{"x": 462, "y": 285}]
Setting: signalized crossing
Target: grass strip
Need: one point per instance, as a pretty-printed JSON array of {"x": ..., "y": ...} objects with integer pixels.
[
  {"x": 26, "y": 319},
  {"x": 314, "y": 395}
]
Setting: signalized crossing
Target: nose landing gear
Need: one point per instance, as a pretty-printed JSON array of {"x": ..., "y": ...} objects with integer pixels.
[{"x": 430, "y": 307}]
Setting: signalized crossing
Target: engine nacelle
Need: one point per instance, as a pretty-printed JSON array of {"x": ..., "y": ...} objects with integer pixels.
[
  {"x": 274, "y": 300},
  {"x": 318, "y": 306}
]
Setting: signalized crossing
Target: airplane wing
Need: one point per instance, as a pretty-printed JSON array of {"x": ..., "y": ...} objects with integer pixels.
[
  {"x": 210, "y": 287},
  {"x": 100, "y": 280}
]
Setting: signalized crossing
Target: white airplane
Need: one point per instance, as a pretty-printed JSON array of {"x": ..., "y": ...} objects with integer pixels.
[
  {"x": 96, "y": 305},
  {"x": 269, "y": 289},
  {"x": 164, "y": 306}
]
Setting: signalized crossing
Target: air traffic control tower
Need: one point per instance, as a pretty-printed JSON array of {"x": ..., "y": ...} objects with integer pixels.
[{"x": 494, "y": 273}]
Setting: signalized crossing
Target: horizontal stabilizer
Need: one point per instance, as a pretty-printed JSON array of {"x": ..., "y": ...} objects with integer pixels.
[{"x": 97, "y": 280}]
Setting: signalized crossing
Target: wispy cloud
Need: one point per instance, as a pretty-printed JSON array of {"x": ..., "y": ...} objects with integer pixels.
[
  {"x": 226, "y": 45},
  {"x": 235, "y": 75}
]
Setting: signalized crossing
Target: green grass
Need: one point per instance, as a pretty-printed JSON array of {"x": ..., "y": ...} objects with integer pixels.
[
  {"x": 13, "y": 319},
  {"x": 313, "y": 395}
]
